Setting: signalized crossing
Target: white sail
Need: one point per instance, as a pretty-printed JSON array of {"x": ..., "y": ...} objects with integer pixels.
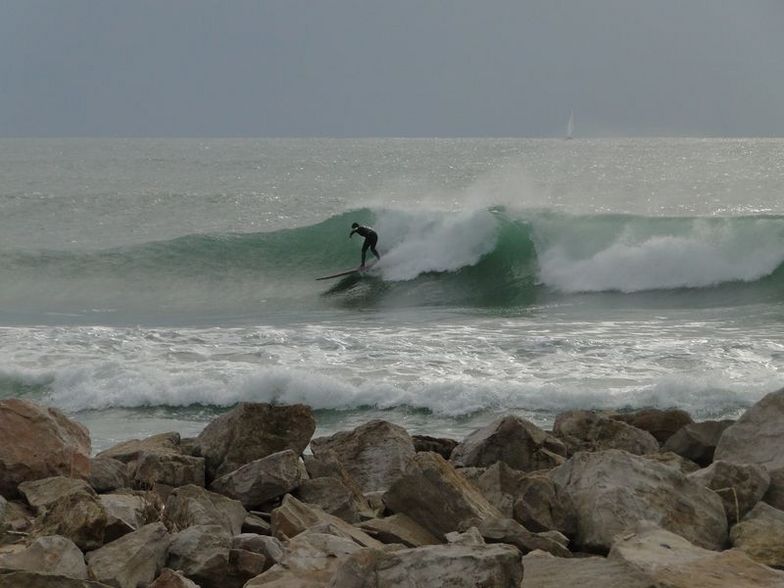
[{"x": 570, "y": 126}]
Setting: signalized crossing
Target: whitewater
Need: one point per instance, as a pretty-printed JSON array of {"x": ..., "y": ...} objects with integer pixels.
[{"x": 146, "y": 285}]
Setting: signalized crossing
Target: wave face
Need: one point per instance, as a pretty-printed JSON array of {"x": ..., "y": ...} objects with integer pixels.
[{"x": 487, "y": 257}]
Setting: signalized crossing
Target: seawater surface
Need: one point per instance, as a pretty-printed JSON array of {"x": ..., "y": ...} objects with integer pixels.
[{"x": 146, "y": 285}]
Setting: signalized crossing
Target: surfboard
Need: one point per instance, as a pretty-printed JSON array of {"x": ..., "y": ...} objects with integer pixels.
[{"x": 355, "y": 270}]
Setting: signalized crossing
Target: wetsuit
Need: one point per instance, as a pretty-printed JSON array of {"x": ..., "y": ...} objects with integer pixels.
[{"x": 371, "y": 238}]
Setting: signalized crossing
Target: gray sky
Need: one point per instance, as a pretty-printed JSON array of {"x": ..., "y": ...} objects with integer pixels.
[{"x": 391, "y": 68}]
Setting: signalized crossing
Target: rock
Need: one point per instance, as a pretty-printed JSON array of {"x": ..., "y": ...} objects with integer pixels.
[
  {"x": 3, "y": 514},
  {"x": 435, "y": 496},
  {"x": 587, "y": 430},
  {"x": 775, "y": 494},
  {"x": 500, "y": 484},
  {"x": 456, "y": 566},
  {"x": 539, "y": 508},
  {"x": 125, "y": 513},
  {"x": 761, "y": 535},
  {"x": 25, "y": 579},
  {"x": 611, "y": 490},
  {"x": 252, "y": 431},
  {"x": 270, "y": 547},
  {"x": 470, "y": 536},
  {"x": 399, "y": 528},
  {"x": 515, "y": 441},
  {"x": 244, "y": 565},
  {"x": 15, "y": 517},
  {"x": 439, "y": 445},
  {"x": 757, "y": 436},
  {"x": 504, "y": 530},
  {"x": 662, "y": 424},
  {"x": 740, "y": 486},
  {"x": 669, "y": 560},
  {"x": 191, "y": 505},
  {"x": 171, "y": 579},
  {"x": 201, "y": 552},
  {"x": 262, "y": 480},
  {"x": 170, "y": 469},
  {"x": 683, "y": 465},
  {"x": 39, "y": 442},
  {"x": 293, "y": 517},
  {"x": 132, "y": 560},
  {"x": 255, "y": 524},
  {"x": 543, "y": 570},
  {"x": 332, "y": 495},
  {"x": 108, "y": 474},
  {"x": 67, "y": 507},
  {"x": 53, "y": 554},
  {"x": 374, "y": 454},
  {"x": 697, "y": 441},
  {"x": 131, "y": 450}
]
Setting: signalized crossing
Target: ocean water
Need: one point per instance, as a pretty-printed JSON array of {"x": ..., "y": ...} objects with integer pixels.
[{"x": 147, "y": 285}]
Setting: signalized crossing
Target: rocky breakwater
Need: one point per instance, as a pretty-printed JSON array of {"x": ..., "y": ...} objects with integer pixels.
[{"x": 603, "y": 500}]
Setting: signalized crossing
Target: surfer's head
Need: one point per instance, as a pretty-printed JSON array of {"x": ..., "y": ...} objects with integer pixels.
[{"x": 354, "y": 225}]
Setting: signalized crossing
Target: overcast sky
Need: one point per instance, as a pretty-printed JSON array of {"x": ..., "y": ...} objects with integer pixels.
[{"x": 393, "y": 68}]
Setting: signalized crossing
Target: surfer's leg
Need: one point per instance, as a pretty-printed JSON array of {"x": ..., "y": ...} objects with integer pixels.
[
  {"x": 372, "y": 245},
  {"x": 365, "y": 247}
]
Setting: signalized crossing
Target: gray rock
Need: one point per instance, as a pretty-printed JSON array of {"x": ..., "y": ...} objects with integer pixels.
[
  {"x": 52, "y": 554},
  {"x": 270, "y": 547},
  {"x": 171, "y": 469},
  {"x": 25, "y": 579},
  {"x": 761, "y": 535},
  {"x": 585, "y": 430},
  {"x": 612, "y": 490},
  {"x": 543, "y": 570},
  {"x": 130, "y": 450},
  {"x": 683, "y": 465},
  {"x": 132, "y": 560},
  {"x": 125, "y": 513},
  {"x": 399, "y": 528},
  {"x": 539, "y": 507},
  {"x": 697, "y": 441},
  {"x": 662, "y": 424},
  {"x": 108, "y": 474},
  {"x": 775, "y": 494},
  {"x": 332, "y": 495},
  {"x": 439, "y": 445},
  {"x": 374, "y": 454},
  {"x": 740, "y": 486},
  {"x": 201, "y": 553},
  {"x": 190, "y": 505},
  {"x": 757, "y": 436},
  {"x": 171, "y": 579},
  {"x": 513, "y": 440},
  {"x": 504, "y": 530}
]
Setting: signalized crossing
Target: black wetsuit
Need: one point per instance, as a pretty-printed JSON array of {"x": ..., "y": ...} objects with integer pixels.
[{"x": 371, "y": 238}]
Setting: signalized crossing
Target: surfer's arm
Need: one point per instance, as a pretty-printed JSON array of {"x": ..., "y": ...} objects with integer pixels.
[{"x": 352, "y": 233}]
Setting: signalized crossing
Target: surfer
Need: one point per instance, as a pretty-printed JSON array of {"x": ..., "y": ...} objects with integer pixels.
[{"x": 371, "y": 238}]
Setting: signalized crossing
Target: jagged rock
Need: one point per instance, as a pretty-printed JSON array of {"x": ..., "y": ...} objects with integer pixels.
[
  {"x": 611, "y": 490},
  {"x": 662, "y": 424},
  {"x": 131, "y": 450},
  {"x": 332, "y": 495},
  {"x": 108, "y": 474},
  {"x": 15, "y": 517},
  {"x": 697, "y": 441},
  {"x": 588, "y": 430},
  {"x": 539, "y": 507},
  {"x": 191, "y": 505},
  {"x": 470, "y": 536},
  {"x": 169, "y": 469},
  {"x": 201, "y": 552},
  {"x": 757, "y": 436},
  {"x": 543, "y": 570},
  {"x": 244, "y": 565},
  {"x": 670, "y": 560},
  {"x": 513, "y": 440},
  {"x": 252, "y": 431},
  {"x": 262, "y": 480},
  {"x": 740, "y": 486},
  {"x": 399, "y": 528},
  {"x": 683, "y": 465},
  {"x": 761, "y": 535},
  {"x": 67, "y": 507},
  {"x": 374, "y": 454},
  {"x": 132, "y": 560},
  {"x": 775, "y": 494},
  {"x": 125, "y": 513},
  {"x": 52, "y": 554},
  {"x": 171, "y": 579},
  {"x": 25, "y": 579},
  {"x": 293, "y": 517},
  {"x": 439, "y": 445},
  {"x": 500, "y": 484},
  {"x": 39, "y": 442},
  {"x": 435, "y": 496},
  {"x": 456, "y": 566},
  {"x": 3, "y": 513},
  {"x": 270, "y": 547},
  {"x": 504, "y": 530},
  {"x": 257, "y": 525}
]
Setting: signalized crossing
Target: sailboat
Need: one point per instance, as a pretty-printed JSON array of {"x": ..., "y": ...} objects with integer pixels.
[{"x": 570, "y": 126}]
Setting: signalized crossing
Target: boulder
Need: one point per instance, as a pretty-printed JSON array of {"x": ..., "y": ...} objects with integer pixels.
[
  {"x": 243, "y": 565},
  {"x": 470, "y": 536},
  {"x": 108, "y": 474},
  {"x": 39, "y": 442},
  {"x": 435, "y": 496},
  {"x": 513, "y": 440},
  {"x": 740, "y": 486},
  {"x": 775, "y": 494},
  {"x": 454, "y": 565},
  {"x": 761, "y": 535},
  {"x": 332, "y": 495},
  {"x": 500, "y": 484},
  {"x": 201, "y": 553},
  {"x": 67, "y": 507},
  {"x": 293, "y": 517},
  {"x": 611, "y": 490},
  {"x": 586, "y": 430},
  {"x": 662, "y": 424},
  {"x": 669, "y": 560},
  {"x": 539, "y": 507},
  {"x": 125, "y": 513},
  {"x": 132, "y": 560},
  {"x": 683, "y": 465},
  {"x": 192, "y": 505},
  {"x": 25, "y": 579},
  {"x": 252, "y": 431},
  {"x": 130, "y": 450},
  {"x": 171, "y": 579},
  {"x": 543, "y": 570},
  {"x": 253, "y": 523},
  {"x": 399, "y": 528},
  {"x": 52, "y": 554},
  {"x": 439, "y": 445},
  {"x": 374, "y": 454},
  {"x": 697, "y": 441},
  {"x": 504, "y": 530},
  {"x": 270, "y": 547},
  {"x": 262, "y": 480},
  {"x": 170, "y": 469}
]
